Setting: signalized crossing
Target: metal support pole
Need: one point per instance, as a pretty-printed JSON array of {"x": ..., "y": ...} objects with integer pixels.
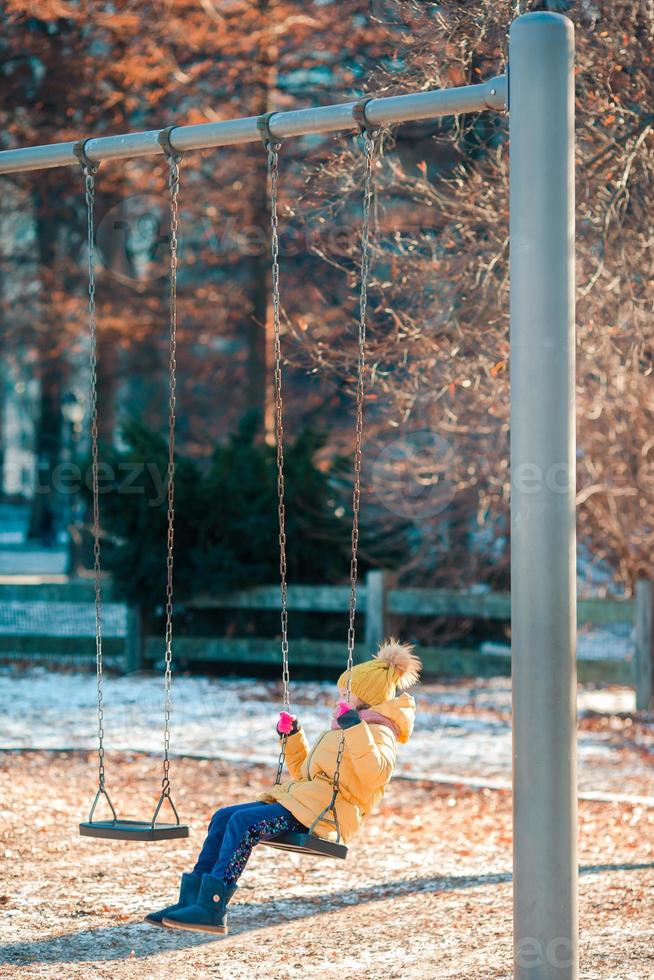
[{"x": 543, "y": 576}]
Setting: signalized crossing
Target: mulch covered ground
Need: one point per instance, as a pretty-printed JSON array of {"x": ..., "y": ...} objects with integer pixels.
[{"x": 425, "y": 892}]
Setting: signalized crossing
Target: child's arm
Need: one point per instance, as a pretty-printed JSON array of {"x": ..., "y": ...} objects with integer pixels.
[
  {"x": 297, "y": 747},
  {"x": 297, "y": 750}
]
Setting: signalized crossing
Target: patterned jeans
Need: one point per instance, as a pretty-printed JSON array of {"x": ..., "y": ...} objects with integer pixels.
[{"x": 233, "y": 833}]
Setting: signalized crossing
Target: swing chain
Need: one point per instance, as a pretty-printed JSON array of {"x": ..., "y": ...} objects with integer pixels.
[
  {"x": 273, "y": 167},
  {"x": 272, "y": 147},
  {"x": 173, "y": 159},
  {"x": 89, "y": 170},
  {"x": 369, "y": 141},
  {"x": 369, "y": 147}
]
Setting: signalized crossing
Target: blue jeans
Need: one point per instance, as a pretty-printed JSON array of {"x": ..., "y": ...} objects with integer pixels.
[{"x": 233, "y": 833}]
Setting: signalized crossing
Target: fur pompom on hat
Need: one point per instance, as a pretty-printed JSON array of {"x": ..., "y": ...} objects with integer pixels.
[{"x": 394, "y": 667}]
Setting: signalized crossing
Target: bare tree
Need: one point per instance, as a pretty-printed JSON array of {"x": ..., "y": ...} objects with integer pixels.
[{"x": 439, "y": 344}]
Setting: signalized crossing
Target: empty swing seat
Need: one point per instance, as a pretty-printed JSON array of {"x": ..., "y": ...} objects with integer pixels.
[
  {"x": 307, "y": 844},
  {"x": 136, "y": 830}
]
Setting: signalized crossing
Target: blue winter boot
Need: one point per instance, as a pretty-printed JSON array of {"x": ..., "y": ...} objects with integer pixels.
[
  {"x": 209, "y": 914},
  {"x": 189, "y": 890}
]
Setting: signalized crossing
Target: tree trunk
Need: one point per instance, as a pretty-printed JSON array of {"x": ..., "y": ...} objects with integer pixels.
[{"x": 50, "y": 368}]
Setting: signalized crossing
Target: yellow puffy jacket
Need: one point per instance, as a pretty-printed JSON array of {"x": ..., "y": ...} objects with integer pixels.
[{"x": 366, "y": 768}]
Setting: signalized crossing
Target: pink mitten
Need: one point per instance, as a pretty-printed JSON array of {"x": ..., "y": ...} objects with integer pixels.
[
  {"x": 286, "y": 723},
  {"x": 341, "y": 708}
]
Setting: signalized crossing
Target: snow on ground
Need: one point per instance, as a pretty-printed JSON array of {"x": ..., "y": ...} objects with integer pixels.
[{"x": 462, "y": 728}]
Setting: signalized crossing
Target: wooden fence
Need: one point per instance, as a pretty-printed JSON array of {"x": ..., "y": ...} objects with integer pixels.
[{"x": 379, "y": 601}]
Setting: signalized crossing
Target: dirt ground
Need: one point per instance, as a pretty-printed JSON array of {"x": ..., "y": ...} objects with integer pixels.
[{"x": 424, "y": 893}]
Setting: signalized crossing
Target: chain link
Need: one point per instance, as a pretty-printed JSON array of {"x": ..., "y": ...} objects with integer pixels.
[
  {"x": 272, "y": 148},
  {"x": 89, "y": 187},
  {"x": 173, "y": 186},
  {"x": 369, "y": 149},
  {"x": 369, "y": 142},
  {"x": 89, "y": 170}
]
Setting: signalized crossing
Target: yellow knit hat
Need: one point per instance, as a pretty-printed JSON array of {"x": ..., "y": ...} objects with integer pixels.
[{"x": 393, "y": 667}]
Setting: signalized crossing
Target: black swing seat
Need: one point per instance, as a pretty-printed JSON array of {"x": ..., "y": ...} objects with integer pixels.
[
  {"x": 137, "y": 830},
  {"x": 307, "y": 843}
]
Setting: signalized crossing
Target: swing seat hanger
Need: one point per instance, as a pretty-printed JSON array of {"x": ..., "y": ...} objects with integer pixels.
[
  {"x": 163, "y": 139},
  {"x": 270, "y": 141},
  {"x": 366, "y": 128}
]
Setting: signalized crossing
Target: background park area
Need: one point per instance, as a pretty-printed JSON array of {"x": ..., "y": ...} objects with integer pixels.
[{"x": 426, "y": 888}]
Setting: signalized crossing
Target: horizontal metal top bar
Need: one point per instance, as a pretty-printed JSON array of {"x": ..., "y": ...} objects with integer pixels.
[{"x": 300, "y": 122}]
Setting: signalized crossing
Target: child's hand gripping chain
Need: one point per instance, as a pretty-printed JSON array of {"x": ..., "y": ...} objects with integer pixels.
[{"x": 287, "y": 724}]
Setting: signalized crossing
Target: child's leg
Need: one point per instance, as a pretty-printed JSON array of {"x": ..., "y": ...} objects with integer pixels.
[
  {"x": 245, "y": 828},
  {"x": 213, "y": 841}
]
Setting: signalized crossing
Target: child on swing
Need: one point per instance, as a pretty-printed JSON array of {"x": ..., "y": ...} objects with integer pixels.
[{"x": 375, "y": 721}]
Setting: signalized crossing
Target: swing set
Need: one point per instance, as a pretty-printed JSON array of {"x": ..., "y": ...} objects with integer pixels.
[
  {"x": 153, "y": 830},
  {"x": 538, "y": 93}
]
